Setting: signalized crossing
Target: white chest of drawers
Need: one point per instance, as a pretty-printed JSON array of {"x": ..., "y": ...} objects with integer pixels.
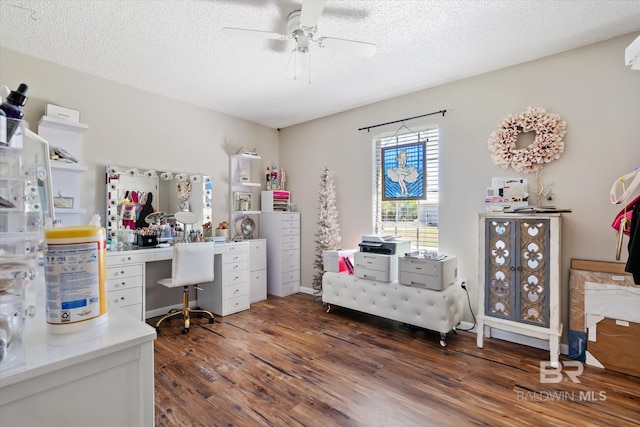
[
  {"x": 126, "y": 281},
  {"x": 230, "y": 291},
  {"x": 282, "y": 231}
]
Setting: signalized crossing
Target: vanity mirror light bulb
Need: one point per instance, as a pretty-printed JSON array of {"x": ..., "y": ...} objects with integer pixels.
[
  {"x": 166, "y": 176},
  {"x": 113, "y": 187},
  {"x": 114, "y": 171},
  {"x": 151, "y": 174},
  {"x": 181, "y": 177},
  {"x": 113, "y": 218},
  {"x": 132, "y": 172},
  {"x": 207, "y": 179},
  {"x": 196, "y": 178},
  {"x": 113, "y": 202}
]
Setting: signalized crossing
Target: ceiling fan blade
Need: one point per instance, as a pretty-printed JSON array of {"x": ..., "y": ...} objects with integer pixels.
[
  {"x": 241, "y": 32},
  {"x": 348, "y": 46},
  {"x": 310, "y": 12}
]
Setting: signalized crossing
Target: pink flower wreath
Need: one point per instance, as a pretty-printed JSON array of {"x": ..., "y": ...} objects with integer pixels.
[{"x": 546, "y": 147}]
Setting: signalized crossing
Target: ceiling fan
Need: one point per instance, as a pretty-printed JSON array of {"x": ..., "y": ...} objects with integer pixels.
[{"x": 301, "y": 27}]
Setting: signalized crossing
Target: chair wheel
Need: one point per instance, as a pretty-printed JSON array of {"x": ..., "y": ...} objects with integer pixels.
[
  {"x": 158, "y": 329},
  {"x": 185, "y": 330},
  {"x": 211, "y": 320}
]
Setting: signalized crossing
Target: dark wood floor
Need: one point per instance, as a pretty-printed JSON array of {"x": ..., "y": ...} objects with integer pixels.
[{"x": 286, "y": 362}]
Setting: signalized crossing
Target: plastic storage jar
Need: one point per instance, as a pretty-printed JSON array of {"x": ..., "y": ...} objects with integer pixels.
[{"x": 75, "y": 277}]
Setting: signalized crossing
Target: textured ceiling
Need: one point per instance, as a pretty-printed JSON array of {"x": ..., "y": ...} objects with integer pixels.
[{"x": 176, "y": 48}]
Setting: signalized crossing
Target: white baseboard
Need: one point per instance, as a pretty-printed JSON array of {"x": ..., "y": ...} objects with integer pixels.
[
  {"x": 304, "y": 290},
  {"x": 466, "y": 326},
  {"x": 164, "y": 310}
]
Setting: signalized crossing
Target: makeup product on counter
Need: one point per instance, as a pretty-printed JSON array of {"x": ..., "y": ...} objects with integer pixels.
[
  {"x": 12, "y": 107},
  {"x": 268, "y": 178}
]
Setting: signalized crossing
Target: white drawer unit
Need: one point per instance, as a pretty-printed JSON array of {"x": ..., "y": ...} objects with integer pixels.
[
  {"x": 258, "y": 270},
  {"x": 129, "y": 300},
  {"x": 282, "y": 231},
  {"x": 383, "y": 268},
  {"x": 126, "y": 281},
  {"x": 229, "y": 292}
]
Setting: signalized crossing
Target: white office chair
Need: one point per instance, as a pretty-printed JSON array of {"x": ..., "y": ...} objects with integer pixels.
[{"x": 192, "y": 265}]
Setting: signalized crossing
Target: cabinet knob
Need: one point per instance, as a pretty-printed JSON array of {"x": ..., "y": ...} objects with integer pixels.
[{"x": 512, "y": 268}]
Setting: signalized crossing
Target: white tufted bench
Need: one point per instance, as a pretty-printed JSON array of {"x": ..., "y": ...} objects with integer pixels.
[{"x": 439, "y": 311}]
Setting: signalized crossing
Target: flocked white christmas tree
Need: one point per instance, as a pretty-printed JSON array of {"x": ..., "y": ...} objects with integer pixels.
[{"x": 328, "y": 234}]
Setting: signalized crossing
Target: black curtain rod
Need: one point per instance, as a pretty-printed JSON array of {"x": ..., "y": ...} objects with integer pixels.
[{"x": 403, "y": 120}]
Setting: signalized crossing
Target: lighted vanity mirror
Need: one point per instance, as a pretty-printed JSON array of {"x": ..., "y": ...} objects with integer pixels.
[{"x": 142, "y": 198}]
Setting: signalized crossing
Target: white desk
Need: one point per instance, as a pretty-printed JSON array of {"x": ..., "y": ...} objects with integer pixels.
[
  {"x": 127, "y": 279},
  {"x": 99, "y": 377}
]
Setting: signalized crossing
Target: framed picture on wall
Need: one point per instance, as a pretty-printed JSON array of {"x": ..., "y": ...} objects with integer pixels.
[
  {"x": 63, "y": 202},
  {"x": 404, "y": 169}
]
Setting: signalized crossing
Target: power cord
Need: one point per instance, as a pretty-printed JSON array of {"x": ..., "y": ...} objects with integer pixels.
[{"x": 464, "y": 286}]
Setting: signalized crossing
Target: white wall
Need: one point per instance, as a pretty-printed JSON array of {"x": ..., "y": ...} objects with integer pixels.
[
  {"x": 131, "y": 127},
  {"x": 589, "y": 87}
]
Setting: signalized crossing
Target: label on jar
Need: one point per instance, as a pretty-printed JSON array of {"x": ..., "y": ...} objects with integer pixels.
[{"x": 72, "y": 275}]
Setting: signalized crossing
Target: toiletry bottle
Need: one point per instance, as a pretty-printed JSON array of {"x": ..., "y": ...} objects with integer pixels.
[
  {"x": 274, "y": 177},
  {"x": 268, "y": 178},
  {"x": 12, "y": 107},
  {"x": 3, "y": 128}
]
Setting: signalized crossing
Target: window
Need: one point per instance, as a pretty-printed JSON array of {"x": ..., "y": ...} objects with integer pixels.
[{"x": 407, "y": 207}]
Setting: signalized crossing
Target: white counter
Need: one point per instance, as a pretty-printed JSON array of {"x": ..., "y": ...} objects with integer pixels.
[{"x": 99, "y": 377}]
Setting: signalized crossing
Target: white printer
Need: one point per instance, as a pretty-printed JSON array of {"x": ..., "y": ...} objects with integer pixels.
[
  {"x": 378, "y": 257},
  {"x": 429, "y": 273}
]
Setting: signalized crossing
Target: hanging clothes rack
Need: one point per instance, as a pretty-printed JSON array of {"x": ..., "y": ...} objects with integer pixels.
[
  {"x": 403, "y": 120},
  {"x": 633, "y": 180}
]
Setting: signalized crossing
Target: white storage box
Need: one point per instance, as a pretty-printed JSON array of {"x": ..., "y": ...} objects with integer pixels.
[
  {"x": 436, "y": 274},
  {"x": 62, "y": 113},
  {"x": 383, "y": 268},
  {"x": 334, "y": 261}
]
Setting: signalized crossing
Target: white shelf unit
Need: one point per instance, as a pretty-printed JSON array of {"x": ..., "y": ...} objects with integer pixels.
[
  {"x": 240, "y": 182},
  {"x": 275, "y": 200},
  {"x": 65, "y": 177}
]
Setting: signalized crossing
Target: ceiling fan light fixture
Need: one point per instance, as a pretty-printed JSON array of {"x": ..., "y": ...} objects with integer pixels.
[
  {"x": 301, "y": 27},
  {"x": 299, "y": 64}
]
